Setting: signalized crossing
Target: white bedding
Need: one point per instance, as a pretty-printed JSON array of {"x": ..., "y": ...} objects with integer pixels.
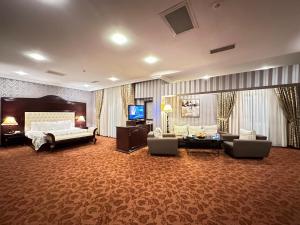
[{"x": 60, "y": 129}]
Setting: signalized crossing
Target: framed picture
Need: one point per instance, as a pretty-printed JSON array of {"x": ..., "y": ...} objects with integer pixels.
[{"x": 190, "y": 108}]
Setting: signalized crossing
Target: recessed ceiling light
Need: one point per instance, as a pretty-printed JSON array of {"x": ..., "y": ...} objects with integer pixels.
[
  {"x": 36, "y": 56},
  {"x": 119, "y": 39},
  {"x": 20, "y": 72},
  {"x": 164, "y": 73},
  {"x": 86, "y": 85},
  {"x": 265, "y": 68},
  {"x": 113, "y": 79},
  {"x": 151, "y": 59},
  {"x": 206, "y": 77},
  {"x": 54, "y": 2}
]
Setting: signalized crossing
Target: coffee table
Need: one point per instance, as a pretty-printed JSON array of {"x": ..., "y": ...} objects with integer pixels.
[{"x": 208, "y": 142}]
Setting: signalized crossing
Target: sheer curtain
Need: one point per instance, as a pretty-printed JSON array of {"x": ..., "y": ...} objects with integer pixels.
[
  {"x": 112, "y": 113},
  {"x": 260, "y": 110}
]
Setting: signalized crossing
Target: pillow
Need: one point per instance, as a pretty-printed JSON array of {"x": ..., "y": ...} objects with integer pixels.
[
  {"x": 36, "y": 126},
  {"x": 63, "y": 125},
  {"x": 52, "y": 125},
  {"x": 194, "y": 130},
  {"x": 157, "y": 133},
  {"x": 247, "y": 134},
  {"x": 181, "y": 130},
  {"x": 210, "y": 129}
]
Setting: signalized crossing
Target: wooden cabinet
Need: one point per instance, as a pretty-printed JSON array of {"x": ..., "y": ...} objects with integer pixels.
[{"x": 132, "y": 137}]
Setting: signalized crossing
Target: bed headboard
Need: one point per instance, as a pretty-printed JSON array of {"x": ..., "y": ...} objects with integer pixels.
[
  {"x": 47, "y": 117},
  {"x": 48, "y": 104}
]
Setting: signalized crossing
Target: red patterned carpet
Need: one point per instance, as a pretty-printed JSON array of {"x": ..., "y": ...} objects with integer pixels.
[{"x": 93, "y": 184}]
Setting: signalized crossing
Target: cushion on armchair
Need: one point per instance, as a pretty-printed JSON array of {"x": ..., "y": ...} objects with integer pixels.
[{"x": 247, "y": 134}]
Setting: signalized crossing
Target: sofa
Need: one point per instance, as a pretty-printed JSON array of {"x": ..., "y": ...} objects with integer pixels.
[
  {"x": 181, "y": 131},
  {"x": 256, "y": 147},
  {"x": 165, "y": 145}
]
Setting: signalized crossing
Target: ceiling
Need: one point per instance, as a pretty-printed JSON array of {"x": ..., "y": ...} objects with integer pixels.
[{"x": 75, "y": 36}]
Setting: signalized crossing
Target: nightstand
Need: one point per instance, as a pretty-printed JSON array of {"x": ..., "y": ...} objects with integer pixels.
[{"x": 13, "y": 139}]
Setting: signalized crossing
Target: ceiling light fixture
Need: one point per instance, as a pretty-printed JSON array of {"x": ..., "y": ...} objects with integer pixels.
[
  {"x": 151, "y": 59},
  {"x": 20, "y": 72},
  {"x": 265, "y": 68},
  {"x": 119, "y": 39},
  {"x": 36, "y": 56},
  {"x": 86, "y": 85},
  {"x": 206, "y": 77},
  {"x": 163, "y": 73},
  {"x": 54, "y": 2},
  {"x": 113, "y": 79}
]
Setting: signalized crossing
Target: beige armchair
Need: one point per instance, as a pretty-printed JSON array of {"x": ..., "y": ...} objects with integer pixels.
[
  {"x": 237, "y": 148},
  {"x": 166, "y": 145}
]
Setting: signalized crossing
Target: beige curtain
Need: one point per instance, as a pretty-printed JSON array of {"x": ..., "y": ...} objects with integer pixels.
[
  {"x": 289, "y": 98},
  {"x": 99, "y": 103},
  {"x": 127, "y": 93},
  {"x": 225, "y": 103}
]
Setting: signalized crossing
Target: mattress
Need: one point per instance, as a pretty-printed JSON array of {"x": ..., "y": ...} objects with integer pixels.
[{"x": 39, "y": 137}]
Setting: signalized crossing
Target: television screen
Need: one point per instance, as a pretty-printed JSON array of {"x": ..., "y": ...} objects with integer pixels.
[{"x": 136, "y": 112}]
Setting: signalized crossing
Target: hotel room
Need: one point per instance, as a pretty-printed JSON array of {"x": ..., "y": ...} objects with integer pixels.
[{"x": 150, "y": 112}]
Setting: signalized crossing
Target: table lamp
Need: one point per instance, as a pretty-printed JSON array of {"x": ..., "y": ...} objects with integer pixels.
[
  {"x": 9, "y": 121},
  {"x": 167, "y": 109},
  {"x": 81, "y": 120}
]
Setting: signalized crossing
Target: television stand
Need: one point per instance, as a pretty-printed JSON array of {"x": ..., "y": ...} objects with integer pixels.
[
  {"x": 131, "y": 138},
  {"x": 135, "y": 122}
]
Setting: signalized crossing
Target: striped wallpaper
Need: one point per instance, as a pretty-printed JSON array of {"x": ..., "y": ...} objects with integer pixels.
[
  {"x": 151, "y": 89},
  {"x": 155, "y": 89},
  {"x": 240, "y": 81}
]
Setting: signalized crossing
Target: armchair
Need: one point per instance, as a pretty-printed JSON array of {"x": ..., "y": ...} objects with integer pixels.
[
  {"x": 166, "y": 145},
  {"x": 237, "y": 148}
]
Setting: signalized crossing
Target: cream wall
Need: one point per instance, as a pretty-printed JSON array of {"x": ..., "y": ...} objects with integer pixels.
[{"x": 16, "y": 88}]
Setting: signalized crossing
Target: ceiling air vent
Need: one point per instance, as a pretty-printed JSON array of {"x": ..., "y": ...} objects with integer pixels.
[
  {"x": 95, "y": 81},
  {"x": 222, "y": 49},
  {"x": 179, "y": 18},
  {"x": 55, "y": 73}
]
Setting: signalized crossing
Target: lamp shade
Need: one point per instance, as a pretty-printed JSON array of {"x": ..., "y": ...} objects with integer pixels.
[
  {"x": 10, "y": 121},
  {"x": 168, "y": 108},
  {"x": 81, "y": 119}
]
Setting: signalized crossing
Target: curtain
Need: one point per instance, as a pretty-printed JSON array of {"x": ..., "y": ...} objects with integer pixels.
[
  {"x": 226, "y": 101},
  {"x": 99, "y": 102},
  {"x": 290, "y": 102},
  {"x": 112, "y": 115},
  {"x": 259, "y": 110},
  {"x": 127, "y": 93}
]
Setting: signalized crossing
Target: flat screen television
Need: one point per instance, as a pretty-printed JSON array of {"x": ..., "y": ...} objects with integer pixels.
[{"x": 136, "y": 112}]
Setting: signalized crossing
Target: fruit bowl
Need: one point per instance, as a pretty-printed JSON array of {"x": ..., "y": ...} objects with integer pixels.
[{"x": 201, "y": 135}]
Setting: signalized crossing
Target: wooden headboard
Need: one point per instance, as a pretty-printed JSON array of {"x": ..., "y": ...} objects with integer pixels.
[{"x": 18, "y": 106}]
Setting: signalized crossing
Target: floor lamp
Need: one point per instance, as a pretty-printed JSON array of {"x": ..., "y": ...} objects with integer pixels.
[{"x": 167, "y": 110}]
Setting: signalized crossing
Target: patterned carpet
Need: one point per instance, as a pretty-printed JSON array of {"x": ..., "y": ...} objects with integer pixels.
[{"x": 93, "y": 184}]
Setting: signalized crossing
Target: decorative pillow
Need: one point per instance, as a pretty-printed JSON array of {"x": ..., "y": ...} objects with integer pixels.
[
  {"x": 35, "y": 126},
  {"x": 210, "y": 129},
  {"x": 181, "y": 130},
  {"x": 157, "y": 133},
  {"x": 63, "y": 125},
  {"x": 194, "y": 130},
  {"x": 247, "y": 134}
]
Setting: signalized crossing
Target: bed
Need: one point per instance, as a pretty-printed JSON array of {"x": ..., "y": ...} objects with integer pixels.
[{"x": 52, "y": 128}]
